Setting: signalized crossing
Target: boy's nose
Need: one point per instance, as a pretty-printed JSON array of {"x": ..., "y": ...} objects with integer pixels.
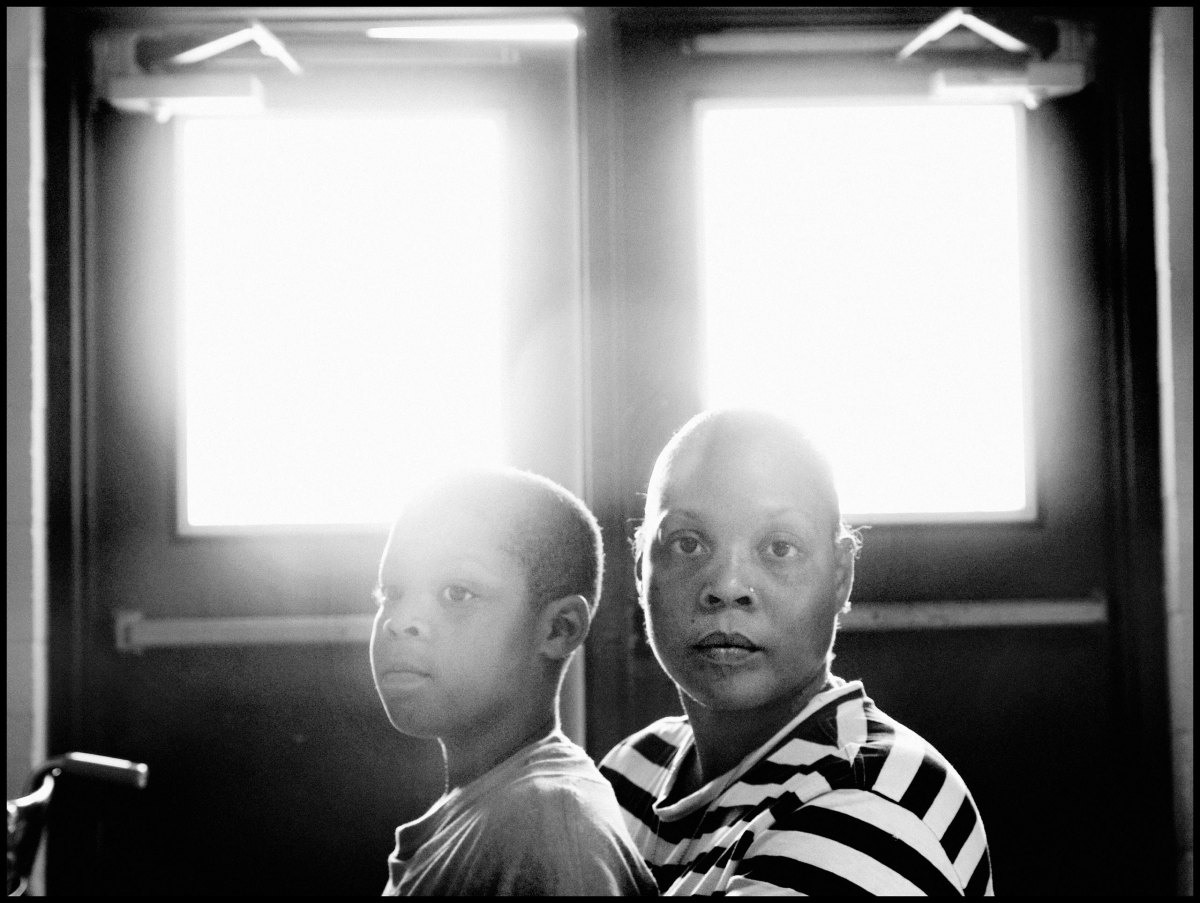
[
  {"x": 404, "y": 618},
  {"x": 395, "y": 626}
]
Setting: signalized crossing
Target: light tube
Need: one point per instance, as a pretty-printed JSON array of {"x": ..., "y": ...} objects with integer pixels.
[{"x": 480, "y": 31}]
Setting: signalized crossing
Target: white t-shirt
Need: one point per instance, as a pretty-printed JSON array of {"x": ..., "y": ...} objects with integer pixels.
[{"x": 544, "y": 822}]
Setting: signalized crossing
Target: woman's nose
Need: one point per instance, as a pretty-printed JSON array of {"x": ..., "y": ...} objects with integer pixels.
[{"x": 729, "y": 581}]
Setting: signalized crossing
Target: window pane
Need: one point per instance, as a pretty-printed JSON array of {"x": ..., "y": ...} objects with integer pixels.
[
  {"x": 343, "y": 311},
  {"x": 861, "y": 270}
]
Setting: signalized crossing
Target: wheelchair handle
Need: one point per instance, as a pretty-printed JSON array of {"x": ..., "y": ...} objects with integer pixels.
[{"x": 104, "y": 768}]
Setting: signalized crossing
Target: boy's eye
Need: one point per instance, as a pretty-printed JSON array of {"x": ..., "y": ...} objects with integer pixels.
[
  {"x": 686, "y": 544},
  {"x": 456, "y": 593}
]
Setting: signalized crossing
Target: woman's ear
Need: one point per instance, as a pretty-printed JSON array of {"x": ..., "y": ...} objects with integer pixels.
[
  {"x": 639, "y": 547},
  {"x": 564, "y": 625},
  {"x": 844, "y": 572}
]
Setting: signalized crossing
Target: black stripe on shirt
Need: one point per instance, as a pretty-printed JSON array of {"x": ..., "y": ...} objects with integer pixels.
[
  {"x": 655, "y": 749},
  {"x": 816, "y": 727},
  {"x": 801, "y": 877},
  {"x": 959, "y": 829},
  {"x": 768, "y": 772},
  {"x": 665, "y": 875},
  {"x": 640, "y": 804},
  {"x": 633, "y": 799},
  {"x": 924, "y": 787},
  {"x": 836, "y": 771},
  {"x": 977, "y": 886},
  {"x": 871, "y": 757},
  {"x": 876, "y": 843},
  {"x": 696, "y": 824},
  {"x": 701, "y": 822},
  {"x": 717, "y": 857}
]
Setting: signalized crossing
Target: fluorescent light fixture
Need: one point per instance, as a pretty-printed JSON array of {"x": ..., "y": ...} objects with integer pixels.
[
  {"x": 1001, "y": 39},
  {"x": 960, "y": 16},
  {"x": 187, "y": 94},
  {"x": 824, "y": 40},
  {"x": 552, "y": 30},
  {"x": 1030, "y": 86},
  {"x": 257, "y": 32},
  {"x": 212, "y": 48}
]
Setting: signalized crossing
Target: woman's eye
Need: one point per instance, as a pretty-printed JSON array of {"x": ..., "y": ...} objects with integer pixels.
[
  {"x": 686, "y": 545},
  {"x": 456, "y": 593},
  {"x": 781, "y": 548}
]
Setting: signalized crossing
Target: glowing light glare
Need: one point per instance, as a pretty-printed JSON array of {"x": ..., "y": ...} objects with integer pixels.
[
  {"x": 343, "y": 312},
  {"x": 480, "y": 31},
  {"x": 861, "y": 272}
]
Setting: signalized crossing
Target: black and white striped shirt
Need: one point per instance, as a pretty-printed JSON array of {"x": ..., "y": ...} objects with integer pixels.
[{"x": 844, "y": 799}]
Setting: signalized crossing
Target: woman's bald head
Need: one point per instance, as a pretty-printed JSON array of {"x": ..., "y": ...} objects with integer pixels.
[{"x": 715, "y": 441}]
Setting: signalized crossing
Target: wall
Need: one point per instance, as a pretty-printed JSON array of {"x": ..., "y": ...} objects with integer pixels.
[
  {"x": 1171, "y": 96},
  {"x": 25, "y": 296}
]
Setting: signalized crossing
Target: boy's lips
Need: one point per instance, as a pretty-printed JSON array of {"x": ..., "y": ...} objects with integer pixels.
[
  {"x": 402, "y": 678},
  {"x": 403, "y": 673}
]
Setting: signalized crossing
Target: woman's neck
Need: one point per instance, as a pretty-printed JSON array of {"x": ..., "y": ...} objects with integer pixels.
[{"x": 725, "y": 737}]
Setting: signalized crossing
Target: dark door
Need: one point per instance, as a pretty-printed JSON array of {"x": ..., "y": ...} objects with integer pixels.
[
  {"x": 272, "y": 767},
  {"x": 1037, "y": 718}
]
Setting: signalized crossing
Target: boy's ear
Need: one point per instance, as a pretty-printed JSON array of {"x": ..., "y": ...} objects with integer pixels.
[{"x": 564, "y": 625}]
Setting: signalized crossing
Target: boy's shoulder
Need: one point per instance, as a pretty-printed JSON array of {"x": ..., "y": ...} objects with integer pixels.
[
  {"x": 553, "y": 823},
  {"x": 557, "y": 774}
]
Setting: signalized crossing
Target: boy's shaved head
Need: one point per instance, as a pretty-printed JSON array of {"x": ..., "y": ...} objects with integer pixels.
[{"x": 551, "y": 532}]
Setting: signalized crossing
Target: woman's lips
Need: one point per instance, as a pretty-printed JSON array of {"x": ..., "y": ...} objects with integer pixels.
[{"x": 724, "y": 648}]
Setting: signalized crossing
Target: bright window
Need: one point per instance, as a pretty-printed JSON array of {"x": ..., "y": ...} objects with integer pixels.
[
  {"x": 861, "y": 268},
  {"x": 343, "y": 286}
]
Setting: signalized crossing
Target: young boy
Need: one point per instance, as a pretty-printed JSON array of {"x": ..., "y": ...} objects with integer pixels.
[{"x": 486, "y": 589}]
